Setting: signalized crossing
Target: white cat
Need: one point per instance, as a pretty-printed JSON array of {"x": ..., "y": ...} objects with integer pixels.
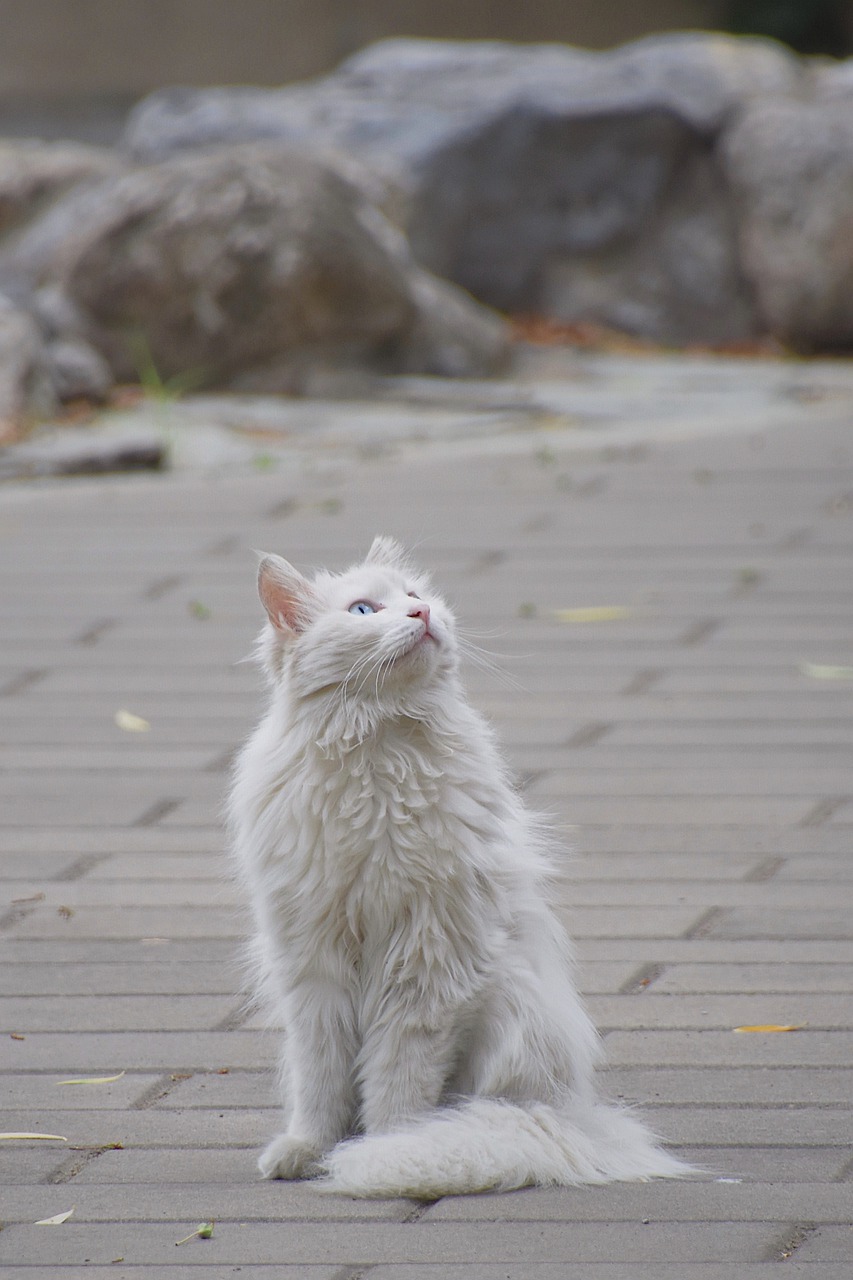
[{"x": 405, "y": 934}]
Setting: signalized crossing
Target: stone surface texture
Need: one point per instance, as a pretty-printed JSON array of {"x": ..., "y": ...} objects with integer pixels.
[
  {"x": 211, "y": 265},
  {"x": 541, "y": 178},
  {"x": 689, "y": 188},
  {"x": 790, "y": 165},
  {"x": 694, "y": 745}
]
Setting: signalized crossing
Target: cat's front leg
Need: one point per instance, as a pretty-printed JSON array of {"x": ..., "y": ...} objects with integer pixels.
[
  {"x": 404, "y": 1067},
  {"x": 317, "y": 1074}
]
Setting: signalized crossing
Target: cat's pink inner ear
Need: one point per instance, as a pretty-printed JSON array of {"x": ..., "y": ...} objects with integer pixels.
[{"x": 285, "y": 594}]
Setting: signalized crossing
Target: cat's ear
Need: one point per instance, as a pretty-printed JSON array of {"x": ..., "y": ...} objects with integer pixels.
[
  {"x": 384, "y": 550},
  {"x": 286, "y": 595}
]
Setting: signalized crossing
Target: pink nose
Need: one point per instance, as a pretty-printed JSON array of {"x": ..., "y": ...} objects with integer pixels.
[{"x": 420, "y": 610}]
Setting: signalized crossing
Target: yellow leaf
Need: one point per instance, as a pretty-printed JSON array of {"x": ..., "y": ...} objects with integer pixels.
[
  {"x": 595, "y": 613},
  {"x": 56, "y": 1219},
  {"x": 43, "y": 1137},
  {"x": 819, "y": 671},
  {"x": 93, "y": 1079},
  {"x": 131, "y": 723},
  {"x": 772, "y": 1026}
]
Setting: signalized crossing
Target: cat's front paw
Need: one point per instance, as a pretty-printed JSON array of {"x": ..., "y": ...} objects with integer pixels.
[{"x": 289, "y": 1157}]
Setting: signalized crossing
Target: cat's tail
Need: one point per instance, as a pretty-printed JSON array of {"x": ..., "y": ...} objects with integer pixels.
[{"x": 489, "y": 1145}]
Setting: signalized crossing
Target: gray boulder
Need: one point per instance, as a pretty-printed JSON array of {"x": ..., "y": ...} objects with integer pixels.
[
  {"x": 790, "y": 165},
  {"x": 540, "y": 178},
  {"x": 33, "y": 173},
  {"x": 247, "y": 261},
  {"x": 26, "y": 390}
]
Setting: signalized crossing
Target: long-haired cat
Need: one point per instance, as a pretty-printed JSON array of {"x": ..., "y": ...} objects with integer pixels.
[{"x": 405, "y": 931}]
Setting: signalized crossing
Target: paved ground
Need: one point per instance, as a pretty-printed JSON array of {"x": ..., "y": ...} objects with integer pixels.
[{"x": 699, "y": 736}]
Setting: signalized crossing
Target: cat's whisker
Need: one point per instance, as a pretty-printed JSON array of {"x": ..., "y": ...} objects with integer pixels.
[{"x": 478, "y": 658}]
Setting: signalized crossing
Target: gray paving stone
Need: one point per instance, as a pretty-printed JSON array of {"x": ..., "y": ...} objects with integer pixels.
[
  {"x": 21, "y": 1165},
  {"x": 608, "y": 1271},
  {"x": 212, "y": 1271},
  {"x": 771, "y": 1164},
  {"x": 84, "y": 1130},
  {"x": 764, "y": 893},
  {"x": 148, "y": 892},
  {"x": 831, "y": 922},
  {"x": 722, "y": 977},
  {"x": 252, "y": 1200},
  {"x": 131, "y": 922},
  {"x": 828, "y": 1244},
  {"x": 693, "y": 872},
  {"x": 709, "y": 950},
  {"x": 658, "y": 1201},
  {"x": 32, "y": 1014},
  {"x": 187, "y": 978},
  {"x": 753, "y": 1125},
  {"x": 651, "y": 1010},
  {"x": 43, "y": 1093},
  {"x": 727, "y": 1049},
  {"x": 740, "y": 1085},
  {"x": 359, "y": 1244},
  {"x": 106, "y": 1052}
]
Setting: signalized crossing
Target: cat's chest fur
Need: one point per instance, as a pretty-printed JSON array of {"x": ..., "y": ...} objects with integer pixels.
[{"x": 357, "y": 841}]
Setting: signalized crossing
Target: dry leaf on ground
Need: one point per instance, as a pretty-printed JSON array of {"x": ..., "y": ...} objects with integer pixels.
[
  {"x": 772, "y": 1026},
  {"x": 93, "y": 1079},
  {"x": 41, "y": 1137},
  {"x": 56, "y": 1220},
  {"x": 594, "y": 613},
  {"x": 131, "y": 722}
]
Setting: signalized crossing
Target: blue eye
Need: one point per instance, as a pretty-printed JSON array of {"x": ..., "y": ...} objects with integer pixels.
[{"x": 361, "y": 606}]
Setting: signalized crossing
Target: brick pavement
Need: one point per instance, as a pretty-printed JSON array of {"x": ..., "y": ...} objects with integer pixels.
[{"x": 705, "y": 768}]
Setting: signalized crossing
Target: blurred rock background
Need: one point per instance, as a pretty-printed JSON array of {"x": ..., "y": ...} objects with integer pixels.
[{"x": 211, "y": 194}]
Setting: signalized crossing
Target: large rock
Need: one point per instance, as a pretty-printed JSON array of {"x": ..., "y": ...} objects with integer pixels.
[
  {"x": 26, "y": 391},
  {"x": 791, "y": 167},
  {"x": 34, "y": 173},
  {"x": 538, "y": 177},
  {"x": 249, "y": 261}
]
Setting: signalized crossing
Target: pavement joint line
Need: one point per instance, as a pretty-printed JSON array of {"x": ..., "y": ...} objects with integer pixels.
[
  {"x": 21, "y": 683},
  {"x": 823, "y": 810},
  {"x": 588, "y": 734},
  {"x": 94, "y": 633},
  {"x": 223, "y": 547},
  {"x": 234, "y": 1020},
  {"x": 156, "y": 811},
  {"x": 282, "y": 509},
  {"x": 162, "y": 586},
  {"x": 73, "y": 1165},
  {"x": 222, "y": 762},
  {"x": 797, "y": 1235},
  {"x": 419, "y": 1208},
  {"x": 14, "y": 916},
  {"x": 839, "y": 504},
  {"x": 526, "y": 779},
  {"x": 764, "y": 871},
  {"x": 159, "y": 1089},
  {"x": 487, "y": 561},
  {"x": 699, "y": 632},
  {"x": 81, "y": 867},
  {"x": 795, "y": 540},
  {"x": 642, "y": 979},
  {"x": 705, "y": 923},
  {"x": 642, "y": 681}
]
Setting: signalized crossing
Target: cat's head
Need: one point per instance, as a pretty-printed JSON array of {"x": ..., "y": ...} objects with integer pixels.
[{"x": 375, "y": 634}]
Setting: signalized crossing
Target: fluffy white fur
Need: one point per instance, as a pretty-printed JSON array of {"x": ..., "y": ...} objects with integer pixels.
[{"x": 405, "y": 934}]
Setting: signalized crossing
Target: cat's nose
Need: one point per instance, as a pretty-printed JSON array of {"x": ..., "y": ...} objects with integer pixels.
[{"x": 417, "y": 609}]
